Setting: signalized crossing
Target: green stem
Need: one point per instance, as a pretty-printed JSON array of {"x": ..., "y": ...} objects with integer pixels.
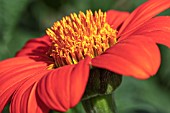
[{"x": 100, "y": 104}]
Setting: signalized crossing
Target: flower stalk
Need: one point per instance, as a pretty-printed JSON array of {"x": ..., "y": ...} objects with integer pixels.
[
  {"x": 98, "y": 95},
  {"x": 100, "y": 104}
]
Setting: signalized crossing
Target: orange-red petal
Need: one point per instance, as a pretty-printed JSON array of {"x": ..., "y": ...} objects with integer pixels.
[
  {"x": 116, "y": 18},
  {"x": 142, "y": 14},
  {"x": 63, "y": 88},
  {"x": 13, "y": 73},
  {"x": 36, "y": 46},
  {"x": 158, "y": 29},
  {"x": 136, "y": 56},
  {"x": 25, "y": 99}
]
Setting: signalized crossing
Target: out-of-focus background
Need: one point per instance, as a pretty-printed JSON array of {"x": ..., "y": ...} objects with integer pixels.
[{"x": 21, "y": 20}]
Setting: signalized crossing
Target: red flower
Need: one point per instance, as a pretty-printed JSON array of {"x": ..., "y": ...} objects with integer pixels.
[{"x": 36, "y": 80}]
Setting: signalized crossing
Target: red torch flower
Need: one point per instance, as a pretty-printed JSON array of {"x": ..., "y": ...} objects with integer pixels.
[{"x": 51, "y": 72}]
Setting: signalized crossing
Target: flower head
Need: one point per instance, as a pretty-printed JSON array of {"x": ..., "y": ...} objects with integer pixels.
[
  {"x": 51, "y": 72},
  {"x": 77, "y": 36}
]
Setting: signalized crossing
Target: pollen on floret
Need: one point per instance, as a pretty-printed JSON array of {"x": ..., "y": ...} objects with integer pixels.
[{"x": 80, "y": 35}]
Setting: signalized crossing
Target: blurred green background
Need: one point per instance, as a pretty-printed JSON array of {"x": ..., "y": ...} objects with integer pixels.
[{"x": 21, "y": 20}]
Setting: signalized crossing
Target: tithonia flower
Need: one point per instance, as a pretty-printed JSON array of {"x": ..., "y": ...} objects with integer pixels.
[{"x": 51, "y": 72}]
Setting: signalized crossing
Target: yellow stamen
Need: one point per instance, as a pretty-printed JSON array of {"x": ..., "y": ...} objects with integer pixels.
[
  {"x": 51, "y": 66},
  {"x": 76, "y": 36}
]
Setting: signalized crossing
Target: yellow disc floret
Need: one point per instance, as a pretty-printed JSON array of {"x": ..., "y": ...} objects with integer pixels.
[{"x": 76, "y": 36}]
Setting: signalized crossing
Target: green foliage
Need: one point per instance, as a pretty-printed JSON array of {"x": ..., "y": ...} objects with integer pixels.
[
  {"x": 136, "y": 96},
  {"x": 10, "y": 13},
  {"x": 164, "y": 71}
]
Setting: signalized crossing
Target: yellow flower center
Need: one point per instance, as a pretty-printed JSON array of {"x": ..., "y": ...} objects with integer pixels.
[{"x": 76, "y": 36}]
